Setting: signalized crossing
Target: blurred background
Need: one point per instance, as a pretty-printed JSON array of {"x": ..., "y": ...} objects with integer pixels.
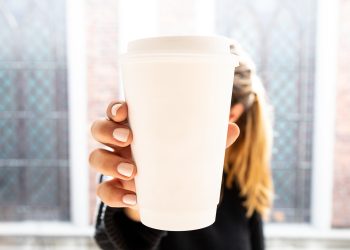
[{"x": 59, "y": 69}]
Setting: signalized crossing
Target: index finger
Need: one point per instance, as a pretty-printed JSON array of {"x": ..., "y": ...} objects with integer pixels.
[{"x": 117, "y": 111}]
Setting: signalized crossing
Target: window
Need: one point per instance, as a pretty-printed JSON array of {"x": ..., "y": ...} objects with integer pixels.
[
  {"x": 34, "y": 155},
  {"x": 280, "y": 36}
]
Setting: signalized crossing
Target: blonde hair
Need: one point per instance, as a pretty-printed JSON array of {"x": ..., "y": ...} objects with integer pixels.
[{"x": 247, "y": 161}]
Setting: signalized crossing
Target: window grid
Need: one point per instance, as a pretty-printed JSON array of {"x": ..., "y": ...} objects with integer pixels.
[
  {"x": 34, "y": 160},
  {"x": 280, "y": 37}
]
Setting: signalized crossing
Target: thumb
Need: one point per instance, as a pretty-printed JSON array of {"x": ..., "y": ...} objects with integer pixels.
[{"x": 232, "y": 134}]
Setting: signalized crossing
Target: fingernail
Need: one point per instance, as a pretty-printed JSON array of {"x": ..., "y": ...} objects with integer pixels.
[
  {"x": 121, "y": 134},
  {"x": 125, "y": 169},
  {"x": 129, "y": 199},
  {"x": 115, "y": 108}
]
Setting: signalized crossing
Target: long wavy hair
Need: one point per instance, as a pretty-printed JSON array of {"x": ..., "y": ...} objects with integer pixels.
[{"x": 247, "y": 161}]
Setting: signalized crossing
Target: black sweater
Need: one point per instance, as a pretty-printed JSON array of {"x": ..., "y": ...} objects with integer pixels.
[{"x": 231, "y": 230}]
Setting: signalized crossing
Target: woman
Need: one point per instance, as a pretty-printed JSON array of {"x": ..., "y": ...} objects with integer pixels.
[{"x": 246, "y": 193}]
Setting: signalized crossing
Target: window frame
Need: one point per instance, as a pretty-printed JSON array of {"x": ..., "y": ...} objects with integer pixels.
[
  {"x": 324, "y": 119},
  {"x": 324, "y": 116},
  {"x": 78, "y": 143},
  {"x": 323, "y": 133},
  {"x": 77, "y": 99}
]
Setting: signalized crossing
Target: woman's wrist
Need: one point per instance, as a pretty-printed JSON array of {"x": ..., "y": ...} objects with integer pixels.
[{"x": 133, "y": 214}]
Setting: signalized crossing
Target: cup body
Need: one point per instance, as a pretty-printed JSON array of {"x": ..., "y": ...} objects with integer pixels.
[{"x": 178, "y": 98}]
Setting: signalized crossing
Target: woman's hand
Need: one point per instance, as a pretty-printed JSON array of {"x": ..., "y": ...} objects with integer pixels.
[{"x": 116, "y": 134}]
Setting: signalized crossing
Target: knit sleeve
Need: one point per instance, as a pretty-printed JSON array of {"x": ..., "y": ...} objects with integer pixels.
[
  {"x": 116, "y": 231},
  {"x": 256, "y": 232}
]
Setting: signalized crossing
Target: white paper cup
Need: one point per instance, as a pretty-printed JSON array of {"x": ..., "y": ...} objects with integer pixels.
[{"x": 178, "y": 90}]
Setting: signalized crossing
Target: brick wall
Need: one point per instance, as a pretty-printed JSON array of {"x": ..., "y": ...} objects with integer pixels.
[
  {"x": 341, "y": 192},
  {"x": 102, "y": 71}
]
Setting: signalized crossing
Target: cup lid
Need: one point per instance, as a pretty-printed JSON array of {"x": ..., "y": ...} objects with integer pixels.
[{"x": 181, "y": 44}]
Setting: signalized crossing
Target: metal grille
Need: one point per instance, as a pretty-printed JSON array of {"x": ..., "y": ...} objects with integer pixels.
[
  {"x": 34, "y": 171},
  {"x": 280, "y": 36}
]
